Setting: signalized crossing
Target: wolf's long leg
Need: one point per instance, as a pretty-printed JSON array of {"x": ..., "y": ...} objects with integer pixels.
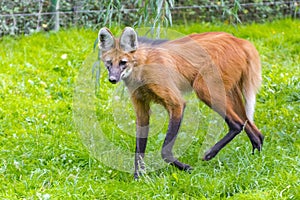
[{"x": 142, "y": 128}]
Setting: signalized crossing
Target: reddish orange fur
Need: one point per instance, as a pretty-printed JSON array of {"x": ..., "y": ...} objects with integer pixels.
[
  {"x": 222, "y": 70},
  {"x": 230, "y": 56}
]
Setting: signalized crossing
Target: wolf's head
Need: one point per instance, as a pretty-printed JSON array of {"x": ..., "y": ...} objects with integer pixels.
[{"x": 117, "y": 54}]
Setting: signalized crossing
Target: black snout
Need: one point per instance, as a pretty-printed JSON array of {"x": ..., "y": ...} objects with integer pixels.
[
  {"x": 114, "y": 74},
  {"x": 113, "y": 80}
]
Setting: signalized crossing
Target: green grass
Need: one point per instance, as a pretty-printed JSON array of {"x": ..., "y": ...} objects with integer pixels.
[{"x": 43, "y": 156}]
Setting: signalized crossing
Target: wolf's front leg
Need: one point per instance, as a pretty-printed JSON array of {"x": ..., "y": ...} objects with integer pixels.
[
  {"x": 142, "y": 128},
  {"x": 141, "y": 142},
  {"x": 176, "y": 114}
]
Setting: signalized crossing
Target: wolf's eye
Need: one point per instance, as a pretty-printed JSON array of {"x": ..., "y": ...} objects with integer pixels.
[
  {"x": 122, "y": 62},
  {"x": 108, "y": 63}
]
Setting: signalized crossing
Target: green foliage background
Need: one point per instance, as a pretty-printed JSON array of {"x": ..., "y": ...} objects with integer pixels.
[{"x": 27, "y": 16}]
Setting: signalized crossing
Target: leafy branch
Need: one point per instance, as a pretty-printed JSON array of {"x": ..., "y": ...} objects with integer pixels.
[{"x": 155, "y": 14}]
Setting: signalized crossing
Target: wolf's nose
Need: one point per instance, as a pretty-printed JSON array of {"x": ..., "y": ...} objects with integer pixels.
[{"x": 113, "y": 79}]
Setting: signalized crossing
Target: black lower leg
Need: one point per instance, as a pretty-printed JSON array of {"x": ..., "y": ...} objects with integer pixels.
[
  {"x": 139, "y": 156},
  {"x": 234, "y": 129},
  {"x": 140, "y": 153},
  {"x": 166, "y": 152},
  {"x": 255, "y": 136},
  {"x": 141, "y": 142}
]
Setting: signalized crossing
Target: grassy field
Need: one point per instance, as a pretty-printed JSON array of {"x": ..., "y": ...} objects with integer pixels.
[{"x": 44, "y": 156}]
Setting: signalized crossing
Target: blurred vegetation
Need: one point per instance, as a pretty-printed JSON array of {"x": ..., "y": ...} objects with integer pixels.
[{"x": 27, "y": 16}]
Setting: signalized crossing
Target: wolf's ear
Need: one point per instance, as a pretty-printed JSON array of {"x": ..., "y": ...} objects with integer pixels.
[
  {"x": 128, "y": 40},
  {"x": 106, "y": 39}
]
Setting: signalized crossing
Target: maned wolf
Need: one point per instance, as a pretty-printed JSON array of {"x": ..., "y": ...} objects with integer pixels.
[{"x": 224, "y": 71}]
